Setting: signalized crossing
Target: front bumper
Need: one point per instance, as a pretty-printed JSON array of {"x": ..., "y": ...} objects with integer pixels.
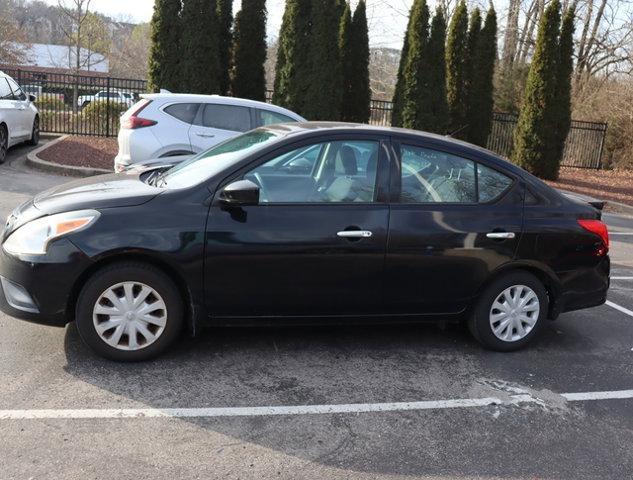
[{"x": 39, "y": 289}]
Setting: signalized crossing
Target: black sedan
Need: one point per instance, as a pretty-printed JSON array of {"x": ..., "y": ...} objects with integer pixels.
[{"x": 304, "y": 223}]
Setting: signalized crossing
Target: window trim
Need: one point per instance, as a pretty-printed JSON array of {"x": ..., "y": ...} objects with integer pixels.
[
  {"x": 396, "y": 186},
  {"x": 385, "y": 160},
  {"x": 197, "y": 121}
]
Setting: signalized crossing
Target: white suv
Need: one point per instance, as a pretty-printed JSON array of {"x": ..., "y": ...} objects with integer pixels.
[
  {"x": 19, "y": 118},
  {"x": 169, "y": 125}
]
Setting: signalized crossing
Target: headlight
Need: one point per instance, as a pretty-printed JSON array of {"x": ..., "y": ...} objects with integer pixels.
[{"x": 33, "y": 237}]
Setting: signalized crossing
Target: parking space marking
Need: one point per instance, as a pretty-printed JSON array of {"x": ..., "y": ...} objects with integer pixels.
[
  {"x": 122, "y": 413},
  {"x": 619, "y": 308},
  {"x": 620, "y": 233},
  {"x": 621, "y": 278}
]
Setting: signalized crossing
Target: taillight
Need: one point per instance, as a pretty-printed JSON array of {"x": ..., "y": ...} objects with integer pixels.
[
  {"x": 133, "y": 121},
  {"x": 600, "y": 229}
]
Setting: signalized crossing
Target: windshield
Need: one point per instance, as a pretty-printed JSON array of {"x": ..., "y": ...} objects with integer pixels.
[{"x": 211, "y": 162}]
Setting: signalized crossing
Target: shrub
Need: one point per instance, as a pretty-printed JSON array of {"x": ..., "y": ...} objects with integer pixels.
[{"x": 96, "y": 114}]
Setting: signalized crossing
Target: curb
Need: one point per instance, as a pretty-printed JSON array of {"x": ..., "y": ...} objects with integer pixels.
[{"x": 33, "y": 161}]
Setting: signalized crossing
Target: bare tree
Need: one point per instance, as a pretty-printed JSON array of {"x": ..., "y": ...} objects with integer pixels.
[{"x": 511, "y": 37}]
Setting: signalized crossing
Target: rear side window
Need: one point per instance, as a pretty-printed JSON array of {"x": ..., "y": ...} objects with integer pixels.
[
  {"x": 491, "y": 183},
  {"x": 226, "y": 117},
  {"x": 185, "y": 112},
  {"x": 431, "y": 176},
  {"x": 5, "y": 91},
  {"x": 265, "y": 117},
  {"x": 17, "y": 91}
]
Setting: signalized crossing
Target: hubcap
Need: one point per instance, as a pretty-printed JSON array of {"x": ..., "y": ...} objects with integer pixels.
[
  {"x": 129, "y": 316},
  {"x": 514, "y": 313}
]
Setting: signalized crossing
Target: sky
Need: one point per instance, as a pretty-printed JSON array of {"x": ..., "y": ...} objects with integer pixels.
[{"x": 387, "y": 18}]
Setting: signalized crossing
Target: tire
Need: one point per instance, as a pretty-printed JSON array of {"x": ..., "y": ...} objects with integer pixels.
[
  {"x": 484, "y": 317},
  {"x": 35, "y": 132},
  {"x": 4, "y": 143},
  {"x": 164, "y": 305}
]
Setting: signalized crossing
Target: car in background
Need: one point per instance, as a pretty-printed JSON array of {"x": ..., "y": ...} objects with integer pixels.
[
  {"x": 303, "y": 223},
  {"x": 38, "y": 92},
  {"x": 164, "y": 125},
  {"x": 19, "y": 117},
  {"x": 112, "y": 96}
]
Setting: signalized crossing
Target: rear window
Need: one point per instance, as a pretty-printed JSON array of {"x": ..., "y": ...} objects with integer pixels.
[
  {"x": 185, "y": 112},
  {"x": 226, "y": 117}
]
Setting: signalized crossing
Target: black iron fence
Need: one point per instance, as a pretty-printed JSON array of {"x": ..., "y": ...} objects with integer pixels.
[{"x": 92, "y": 104}]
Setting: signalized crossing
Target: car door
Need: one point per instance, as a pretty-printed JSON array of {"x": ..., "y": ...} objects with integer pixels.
[
  {"x": 315, "y": 243},
  {"x": 217, "y": 122},
  {"x": 24, "y": 114},
  {"x": 10, "y": 112},
  {"x": 453, "y": 221}
]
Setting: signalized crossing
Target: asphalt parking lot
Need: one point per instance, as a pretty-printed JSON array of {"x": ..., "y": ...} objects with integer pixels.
[{"x": 348, "y": 402}]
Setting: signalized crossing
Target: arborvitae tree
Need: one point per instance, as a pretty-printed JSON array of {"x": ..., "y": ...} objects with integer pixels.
[
  {"x": 415, "y": 111},
  {"x": 249, "y": 77},
  {"x": 225, "y": 24},
  {"x": 361, "y": 92},
  {"x": 347, "y": 65},
  {"x": 322, "y": 99},
  {"x": 472, "y": 46},
  {"x": 456, "y": 52},
  {"x": 200, "y": 66},
  {"x": 293, "y": 73},
  {"x": 398, "y": 94},
  {"x": 563, "y": 87},
  {"x": 164, "y": 54},
  {"x": 534, "y": 146},
  {"x": 436, "y": 90},
  {"x": 481, "y": 92}
]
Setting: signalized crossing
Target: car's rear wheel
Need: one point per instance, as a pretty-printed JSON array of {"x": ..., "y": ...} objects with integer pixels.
[
  {"x": 129, "y": 312},
  {"x": 510, "y": 312},
  {"x": 35, "y": 132},
  {"x": 4, "y": 143}
]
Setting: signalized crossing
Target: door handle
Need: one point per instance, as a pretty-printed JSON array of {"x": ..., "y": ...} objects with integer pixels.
[
  {"x": 354, "y": 234},
  {"x": 500, "y": 235},
  {"x": 204, "y": 135}
]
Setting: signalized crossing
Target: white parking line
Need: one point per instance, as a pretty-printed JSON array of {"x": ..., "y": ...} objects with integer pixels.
[
  {"x": 620, "y": 233},
  {"x": 299, "y": 409},
  {"x": 621, "y": 278},
  {"x": 619, "y": 308}
]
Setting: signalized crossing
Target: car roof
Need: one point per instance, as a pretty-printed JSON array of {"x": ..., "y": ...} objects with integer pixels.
[{"x": 240, "y": 102}]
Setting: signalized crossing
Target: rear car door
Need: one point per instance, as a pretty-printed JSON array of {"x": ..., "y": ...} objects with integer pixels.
[
  {"x": 217, "y": 122},
  {"x": 314, "y": 245},
  {"x": 453, "y": 221}
]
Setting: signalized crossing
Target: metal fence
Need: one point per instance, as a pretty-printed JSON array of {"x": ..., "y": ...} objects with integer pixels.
[{"x": 92, "y": 105}]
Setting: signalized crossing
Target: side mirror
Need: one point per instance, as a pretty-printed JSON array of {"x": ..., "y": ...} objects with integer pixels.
[
  {"x": 241, "y": 193},
  {"x": 32, "y": 98}
]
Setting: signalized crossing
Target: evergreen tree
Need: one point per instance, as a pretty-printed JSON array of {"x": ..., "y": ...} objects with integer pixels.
[
  {"x": 456, "y": 52},
  {"x": 322, "y": 99},
  {"x": 481, "y": 91},
  {"x": 164, "y": 54},
  {"x": 398, "y": 94},
  {"x": 361, "y": 91},
  {"x": 347, "y": 66},
  {"x": 415, "y": 110},
  {"x": 292, "y": 70},
  {"x": 472, "y": 46},
  {"x": 249, "y": 76},
  {"x": 563, "y": 92},
  {"x": 436, "y": 91},
  {"x": 200, "y": 66},
  {"x": 225, "y": 23},
  {"x": 534, "y": 146}
]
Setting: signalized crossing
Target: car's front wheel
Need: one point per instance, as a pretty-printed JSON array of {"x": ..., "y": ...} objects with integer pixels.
[
  {"x": 4, "y": 143},
  {"x": 510, "y": 312},
  {"x": 129, "y": 312},
  {"x": 35, "y": 132}
]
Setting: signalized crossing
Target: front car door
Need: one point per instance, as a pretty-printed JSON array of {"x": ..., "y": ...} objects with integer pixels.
[
  {"x": 217, "y": 122},
  {"x": 25, "y": 114},
  {"x": 314, "y": 245},
  {"x": 454, "y": 220},
  {"x": 10, "y": 112}
]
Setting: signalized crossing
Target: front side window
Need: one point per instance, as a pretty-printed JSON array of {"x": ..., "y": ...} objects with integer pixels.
[
  {"x": 226, "y": 117},
  {"x": 327, "y": 172},
  {"x": 5, "y": 90},
  {"x": 266, "y": 117},
  {"x": 18, "y": 94},
  {"x": 431, "y": 176},
  {"x": 185, "y": 112}
]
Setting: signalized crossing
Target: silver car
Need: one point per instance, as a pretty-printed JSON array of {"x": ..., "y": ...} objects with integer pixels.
[{"x": 19, "y": 118}]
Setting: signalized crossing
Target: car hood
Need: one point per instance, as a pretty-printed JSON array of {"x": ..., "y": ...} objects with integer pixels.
[{"x": 103, "y": 191}]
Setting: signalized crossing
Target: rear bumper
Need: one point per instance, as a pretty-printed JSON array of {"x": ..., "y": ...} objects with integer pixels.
[{"x": 586, "y": 288}]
